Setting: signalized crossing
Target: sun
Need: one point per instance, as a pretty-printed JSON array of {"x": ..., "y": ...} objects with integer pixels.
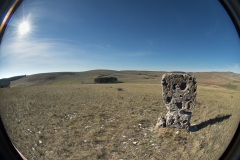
[{"x": 24, "y": 28}]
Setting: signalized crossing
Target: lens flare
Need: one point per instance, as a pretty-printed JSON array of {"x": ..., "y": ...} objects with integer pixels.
[{"x": 24, "y": 28}]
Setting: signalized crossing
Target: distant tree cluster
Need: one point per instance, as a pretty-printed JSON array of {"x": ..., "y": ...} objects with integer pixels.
[{"x": 106, "y": 80}]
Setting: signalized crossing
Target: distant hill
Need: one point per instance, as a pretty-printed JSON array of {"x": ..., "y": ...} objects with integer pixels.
[
  {"x": 5, "y": 82},
  {"x": 127, "y": 76}
]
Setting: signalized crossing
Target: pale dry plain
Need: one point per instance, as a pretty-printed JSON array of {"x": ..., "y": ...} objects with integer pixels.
[{"x": 115, "y": 121}]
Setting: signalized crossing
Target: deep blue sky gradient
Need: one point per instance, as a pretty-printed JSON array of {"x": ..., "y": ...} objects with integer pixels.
[{"x": 79, "y": 35}]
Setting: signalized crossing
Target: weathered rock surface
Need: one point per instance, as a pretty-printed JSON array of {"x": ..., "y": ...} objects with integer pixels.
[{"x": 179, "y": 95}]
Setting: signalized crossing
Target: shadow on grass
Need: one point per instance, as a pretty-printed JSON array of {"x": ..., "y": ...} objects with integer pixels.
[{"x": 204, "y": 124}]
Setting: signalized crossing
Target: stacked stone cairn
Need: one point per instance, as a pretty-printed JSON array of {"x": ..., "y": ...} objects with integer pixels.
[{"x": 179, "y": 95}]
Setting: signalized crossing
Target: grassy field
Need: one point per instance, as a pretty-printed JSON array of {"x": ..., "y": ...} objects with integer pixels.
[
  {"x": 153, "y": 77},
  {"x": 115, "y": 121}
]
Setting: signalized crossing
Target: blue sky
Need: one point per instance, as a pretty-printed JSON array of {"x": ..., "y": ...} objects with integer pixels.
[{"x": 159, "y": 35}]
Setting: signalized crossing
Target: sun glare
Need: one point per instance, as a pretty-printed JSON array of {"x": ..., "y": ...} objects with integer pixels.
[{"x": 24, "y": 28}]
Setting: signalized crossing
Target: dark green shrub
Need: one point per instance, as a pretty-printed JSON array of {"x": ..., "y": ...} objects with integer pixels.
[{"x": 120, "y": 89}]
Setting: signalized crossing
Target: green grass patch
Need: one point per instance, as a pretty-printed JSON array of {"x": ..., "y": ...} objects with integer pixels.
[
  {"x": 235, "y": 81},
  {"x": 63, "y": 82},
  {"x": 230, "y": 86}
]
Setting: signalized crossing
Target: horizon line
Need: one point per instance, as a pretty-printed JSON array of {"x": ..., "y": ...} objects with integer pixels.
[{"x": 122, "y": 71}]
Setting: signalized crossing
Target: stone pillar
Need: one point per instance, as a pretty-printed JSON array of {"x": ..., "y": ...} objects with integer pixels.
[{"x": 179, "y": 95}]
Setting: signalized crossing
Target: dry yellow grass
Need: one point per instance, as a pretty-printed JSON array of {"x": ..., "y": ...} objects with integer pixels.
[{"x": 114, "y": 121}]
